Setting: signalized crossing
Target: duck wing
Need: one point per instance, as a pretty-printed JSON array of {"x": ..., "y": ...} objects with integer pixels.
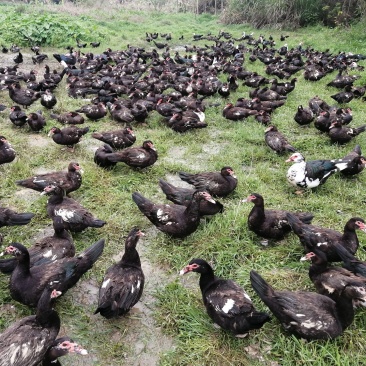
[
  {"x": 121, "y": 289},
  {"x": 228, "y": 299}
]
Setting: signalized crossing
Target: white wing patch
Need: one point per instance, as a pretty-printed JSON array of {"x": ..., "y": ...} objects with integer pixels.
[
  {"x": 312, "y": 324},
  {"x": 161, "y": 217},
  {"x": 35, "y": 180},
  {"x": 228, "y": 305},
  {"x": 65, "y": 214},
  {"x": 105, "y": 283}
]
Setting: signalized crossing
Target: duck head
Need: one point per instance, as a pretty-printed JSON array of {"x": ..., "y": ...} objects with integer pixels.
[
  {"x": 196, "y": 265},
  {"x": 295, "y": 158}
]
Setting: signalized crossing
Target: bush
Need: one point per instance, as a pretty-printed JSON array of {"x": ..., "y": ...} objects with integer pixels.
[{"x": 46, "y": 29}]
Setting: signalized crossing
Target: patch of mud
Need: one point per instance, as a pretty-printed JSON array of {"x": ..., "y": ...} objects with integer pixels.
[
  {"x": 42, "y": 233},
  {"x": 214, "y": 133},
  {"x": 28, "y": 195},
  {"x": 40, "y": 141},
  {"x": 213, "y": 148},
  {"x": 86, "y": 292},
  {"x": 177, "y": 155}
]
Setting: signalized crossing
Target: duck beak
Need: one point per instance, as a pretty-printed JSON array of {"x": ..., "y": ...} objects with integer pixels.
[
  {"x": 185, "y": 270},
  {"x": 303, "y": 259},
  {"x": 209, "y": 198}
]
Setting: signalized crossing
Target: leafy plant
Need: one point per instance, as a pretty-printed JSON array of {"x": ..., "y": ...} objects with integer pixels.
[{"x": 46, "y": 29}]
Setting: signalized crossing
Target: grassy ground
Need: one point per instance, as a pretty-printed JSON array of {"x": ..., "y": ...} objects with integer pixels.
[{"x": 172, "y": 305}]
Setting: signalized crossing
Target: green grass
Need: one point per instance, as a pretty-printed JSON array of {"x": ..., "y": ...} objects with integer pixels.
[{"x": 223, "y": 240}]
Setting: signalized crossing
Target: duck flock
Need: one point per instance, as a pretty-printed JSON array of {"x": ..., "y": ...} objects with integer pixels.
[{"x": 127, "y": 86}]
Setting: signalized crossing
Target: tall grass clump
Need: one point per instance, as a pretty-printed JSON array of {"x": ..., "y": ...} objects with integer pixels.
[{"x": 293, "y": 13}]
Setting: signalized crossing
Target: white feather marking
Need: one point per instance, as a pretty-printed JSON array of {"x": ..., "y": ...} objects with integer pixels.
[
  {"x": 105, "y": 283},
  {"x": 13, "y": 350},
  {"x": 35, "y": 180},
  {"x": 312, "y": 324},
  {"x": 328, "y": 288},
  {"x": 65, "y": 214},
  {"x": 47, "y": 98},
  {"x": 247, "y": 296},
  {"x": 48, "y": 254},
  {"x": 132, "y": 289},
  {"x": 228, "y": 305},
  {"x": 138, "y": 284},
  {"x": 161, "y": 217}
]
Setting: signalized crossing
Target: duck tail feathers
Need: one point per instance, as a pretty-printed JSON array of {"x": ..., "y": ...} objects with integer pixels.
[
  {"x": 94, "y": 251},
  {"x": 21, "y": 219},
  {"x": 260, "y": 286}
]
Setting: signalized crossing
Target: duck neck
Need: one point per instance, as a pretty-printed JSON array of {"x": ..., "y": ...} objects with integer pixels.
[
  {"x": 46, "y": 316},
  {"x": 57, "y": 196},
  {"x": 317, "y": 269},
  {"x": 131, "y": 258},
  {"x": 192, "y": 210},
  {"x": 206, "y": 279},
  {"x": 23, "y": 267},
  {"x": 350, "y": 238},
  {"x": 63, "y": 234},
  {"x": 257, "y": 212},
  {"x": 51, "y": 358}
]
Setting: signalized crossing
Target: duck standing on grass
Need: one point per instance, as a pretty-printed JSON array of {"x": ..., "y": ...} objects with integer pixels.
[
  {"x": 76, "y": 218},
  {"x": 276, "y": 141},
  {"x": 305, "y": 314},
  {"x": 218, "y": 184},
  {"x": 69, "y": 180},
  {"x": 175, "y": 220},
  {"x": 28, "y": 283},
  {"x": 335, "y": 281},
  {"x": 227, "y": 304},
  {"x": 312, "y": 173},
  {"x": 68, "y": 136},
  {"x": 136, "y": 157},
  {"x": 123, "y": 282},
  {"x": 271, "y": 224},
  {"x": 314, "y": 237}
]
